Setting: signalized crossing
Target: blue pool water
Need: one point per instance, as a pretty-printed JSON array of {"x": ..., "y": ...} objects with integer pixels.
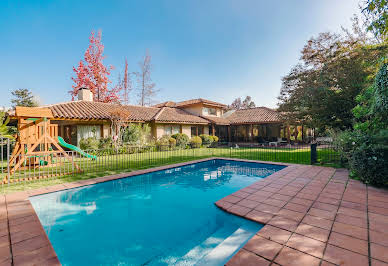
[{"x": 160, "y": 218}]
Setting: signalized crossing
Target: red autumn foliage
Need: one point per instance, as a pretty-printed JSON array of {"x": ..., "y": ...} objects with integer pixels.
[{"x": 93, "y": 74}]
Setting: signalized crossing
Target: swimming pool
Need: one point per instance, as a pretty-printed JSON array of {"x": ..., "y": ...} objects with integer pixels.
[{"x": 159, "y": 218}]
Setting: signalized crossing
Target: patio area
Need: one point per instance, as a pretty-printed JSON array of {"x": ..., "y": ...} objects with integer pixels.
[{"x": 314, "y": 216}]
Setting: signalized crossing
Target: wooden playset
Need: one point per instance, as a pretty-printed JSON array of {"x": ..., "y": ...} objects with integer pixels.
[{"x": 37, "y": 141}]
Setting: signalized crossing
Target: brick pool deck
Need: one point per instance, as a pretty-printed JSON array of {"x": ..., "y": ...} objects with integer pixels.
[{"x": 313, "y": 216}]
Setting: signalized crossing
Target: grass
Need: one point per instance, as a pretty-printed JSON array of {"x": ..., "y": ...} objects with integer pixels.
[{"x": 113, "y": 164}]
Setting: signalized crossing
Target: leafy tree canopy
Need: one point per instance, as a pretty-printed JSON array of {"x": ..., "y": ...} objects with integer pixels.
[
  {"x": 321, "y": 90},
  {"x": 376, "y": 14},
  {"x": 5, "y": 131}
]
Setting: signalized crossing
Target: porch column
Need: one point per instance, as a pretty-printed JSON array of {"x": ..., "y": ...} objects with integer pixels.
[
  {"x": 288, "y": 133},
  {"x": 229, "y": 134},
  {"x": 213, "y": 129},
  {"x": 251, "y": 133}
]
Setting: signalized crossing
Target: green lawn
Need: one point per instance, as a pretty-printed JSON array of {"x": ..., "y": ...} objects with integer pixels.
[{"x": 107, "y": 164}]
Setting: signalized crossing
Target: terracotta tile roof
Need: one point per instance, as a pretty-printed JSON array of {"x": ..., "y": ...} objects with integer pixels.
[
  {"x": 254, "y": 115},
  {"x": 176, "y": 115},
  {"x": 200, "y": 100},
  {"x": 165, "y": 104},
  {"x": 96, "y": 110},
  {"x": 217, "y": 120}
]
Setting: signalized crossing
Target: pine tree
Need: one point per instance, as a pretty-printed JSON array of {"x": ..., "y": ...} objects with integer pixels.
[{"x": 23, "y": 97}]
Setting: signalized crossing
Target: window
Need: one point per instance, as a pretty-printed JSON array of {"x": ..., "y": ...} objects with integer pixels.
[
  {"x": 193, "y": 131},
  {"x": 209, "y": 111},
  {"x": 86, "y": 131},
  {"x": 167, "y": 130},
  {"x": 176, "y": 129},
  {"x": 200, "y": 130},
  {"x": 196, "y": 131},
  {"x": 171, "y": 129}
]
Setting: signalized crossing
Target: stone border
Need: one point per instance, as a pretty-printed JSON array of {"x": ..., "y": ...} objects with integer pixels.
[{"x": 23, "y": 240}]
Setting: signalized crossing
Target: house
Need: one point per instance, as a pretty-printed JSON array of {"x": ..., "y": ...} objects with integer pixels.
[{"x": 85, "y": 118}]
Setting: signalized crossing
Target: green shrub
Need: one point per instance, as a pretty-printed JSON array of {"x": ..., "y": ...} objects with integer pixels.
[
  {"x": 182, "y": 140},
  {"x": 195, "y": 142},
  {"x": 164, "y": 143},
  {"x": 215, "y": 138},
  {"x": 172, "y": 142},
  {"x": 366, "y": 155},
  {"x": 369, "y": 163},
  {"x": 89, "y": 143},
  {"x": 206, "y": 139},
  {"x": 137, "y": 134},
  {"x": 105, "y": 143}
]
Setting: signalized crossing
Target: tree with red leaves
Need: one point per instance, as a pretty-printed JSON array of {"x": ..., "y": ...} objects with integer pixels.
[{"x": 93, "y": 74}]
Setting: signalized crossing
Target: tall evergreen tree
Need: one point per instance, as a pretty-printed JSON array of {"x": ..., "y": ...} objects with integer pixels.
[{"x": 23, "y": 97}]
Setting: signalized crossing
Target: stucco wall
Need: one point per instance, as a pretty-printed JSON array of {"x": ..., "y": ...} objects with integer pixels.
[
  {"x": 186, "y": 129},
  {"x": 195, "y": 109},
  {"x": 159, "y": 130},
  {"x": 206, "y": 130},
  {"x": 105, "y": 130}
]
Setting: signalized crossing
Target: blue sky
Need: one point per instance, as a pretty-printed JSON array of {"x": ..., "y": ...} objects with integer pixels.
[{"x": 216, "y": 49}]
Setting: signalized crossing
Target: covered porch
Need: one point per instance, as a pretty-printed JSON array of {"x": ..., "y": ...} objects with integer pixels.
[
  {"x": 261, "y": 133},
  {"x": 255, "y": 133}
]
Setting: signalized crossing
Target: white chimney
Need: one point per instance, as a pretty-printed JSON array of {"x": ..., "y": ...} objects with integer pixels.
[{"x": 84, "y": 94}]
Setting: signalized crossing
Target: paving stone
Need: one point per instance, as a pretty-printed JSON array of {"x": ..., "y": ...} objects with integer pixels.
[
  {"x": 293, "y": 215},
  {"x": 232, "y": 199},
  {"x": 263, "y": 247},
  {"x": 325, "y": 206},
  {"x": 296, "y": 207},
  {"x": 281, "y": 197},
  {"x": 379, "y": 252},
  {"x": 258, "y": 216},
  {"x": 307, "y": 245},
  {"x": 352, "y": 212},
  {"x": 375, "y": 262},
  {"x": 317, "y": 221},
  {"x": 313, "y": 232},
  {"x": 351, "y": 230},
  {"x": 344, "y": 257},
  {"x": 247, "y": 258},
  {"x": 283, "y": 223},
  {"x": 267, "y": 208},
  {"x": 239, "y": 210},
  {"x": 275, "y": 234},
  {"x": 300, "y": 201},
  {"x": 294, "y": 257},
  {"x": 248, "y": 203},
  {"x": 348, "y": 242},
  {"x": 378, "y": 238},
  {"x": 351, "y": 220},
  {"x": 275, "y": 202},
  {"x": 322, "y": 213}
]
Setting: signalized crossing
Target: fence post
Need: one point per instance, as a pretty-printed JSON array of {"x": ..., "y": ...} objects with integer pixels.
[
  {"x": 9, "y": 174},
  {"x": 313, "y": 153}
]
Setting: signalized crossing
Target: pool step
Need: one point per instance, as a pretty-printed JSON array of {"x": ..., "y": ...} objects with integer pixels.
[
  {"x": 227, "y": 248},
  {"x": 199, "y": 251}
]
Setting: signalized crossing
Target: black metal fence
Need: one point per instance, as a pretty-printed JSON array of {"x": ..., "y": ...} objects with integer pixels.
[{"x": 55, "y": 165}]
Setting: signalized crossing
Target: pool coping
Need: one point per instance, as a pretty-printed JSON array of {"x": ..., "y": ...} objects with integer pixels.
[{"x": 29, "y": 244}]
